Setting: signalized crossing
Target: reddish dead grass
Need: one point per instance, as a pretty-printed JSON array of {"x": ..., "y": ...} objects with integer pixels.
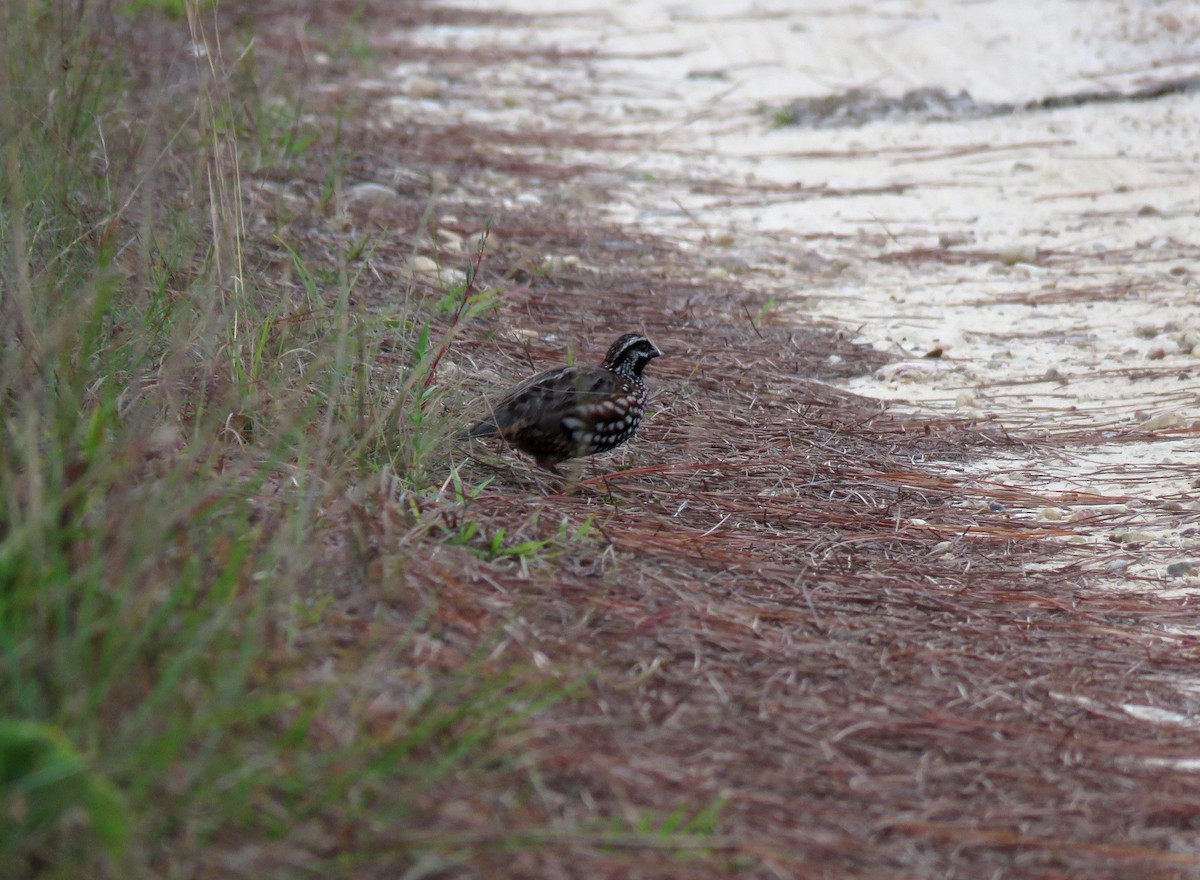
[{"x": 760, "y": 612}]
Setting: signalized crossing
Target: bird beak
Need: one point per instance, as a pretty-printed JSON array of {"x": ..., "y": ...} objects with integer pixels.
[{"x": 657, "y": 350}]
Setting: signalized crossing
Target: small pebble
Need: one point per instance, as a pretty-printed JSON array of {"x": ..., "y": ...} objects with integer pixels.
[
  {"x": 950, "y": 239},
  {"x": 1022, "y": 253},
  {"x": 1161, "y": 421},
  {"x": 1131, "y": 537},
  {"x": 485, "y": 239},
  {"x": 1185, "y": 567},
  {"x": 421, "y": 266}
]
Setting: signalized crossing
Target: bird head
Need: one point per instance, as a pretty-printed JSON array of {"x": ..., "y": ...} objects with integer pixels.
[{"x": 630, "y": 354}]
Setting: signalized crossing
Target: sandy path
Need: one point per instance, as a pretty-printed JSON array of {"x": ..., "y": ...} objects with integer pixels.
[{"x": 1050, "y": 256}]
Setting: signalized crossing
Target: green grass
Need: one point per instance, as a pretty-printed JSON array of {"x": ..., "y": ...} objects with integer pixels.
[{"x": 171, "y": 428}]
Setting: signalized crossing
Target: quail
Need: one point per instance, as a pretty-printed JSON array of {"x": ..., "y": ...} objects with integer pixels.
[{"x": 573, "y": 411}]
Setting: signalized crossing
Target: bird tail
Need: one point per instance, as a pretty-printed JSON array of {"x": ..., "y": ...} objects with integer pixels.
[{"x": 483, "y": 428}]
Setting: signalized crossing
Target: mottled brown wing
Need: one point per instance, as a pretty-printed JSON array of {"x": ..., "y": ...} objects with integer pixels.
[{"x": 545, "y": 399}]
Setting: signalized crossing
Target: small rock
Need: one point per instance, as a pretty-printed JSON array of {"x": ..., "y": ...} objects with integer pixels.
[
  {"x": 1183, "y": 567},
  {"x": 483, "y": 239},
  {"x": 995, "y": 507},
  {"x": 422, "y": 266},
  {"x": 941, "y": 547},
  {"x": 965, "y": 399},
  {"x": 1132, "y": 536},
  {"x": 451, "y": 240},
  {"x": 1161, "y": 421},
  {"x": 1022, "y": 253},
  {"x": 1052, "y": 514},
  {"x": 950, "y": 239},
  {"x": 1145, "y": 331}
]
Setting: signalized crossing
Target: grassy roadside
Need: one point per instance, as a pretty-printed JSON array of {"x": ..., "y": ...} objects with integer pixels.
[{"x": 175, "y": 424}]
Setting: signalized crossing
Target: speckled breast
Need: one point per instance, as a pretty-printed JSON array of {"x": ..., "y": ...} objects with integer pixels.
[{"x": 606, "y": 424}]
